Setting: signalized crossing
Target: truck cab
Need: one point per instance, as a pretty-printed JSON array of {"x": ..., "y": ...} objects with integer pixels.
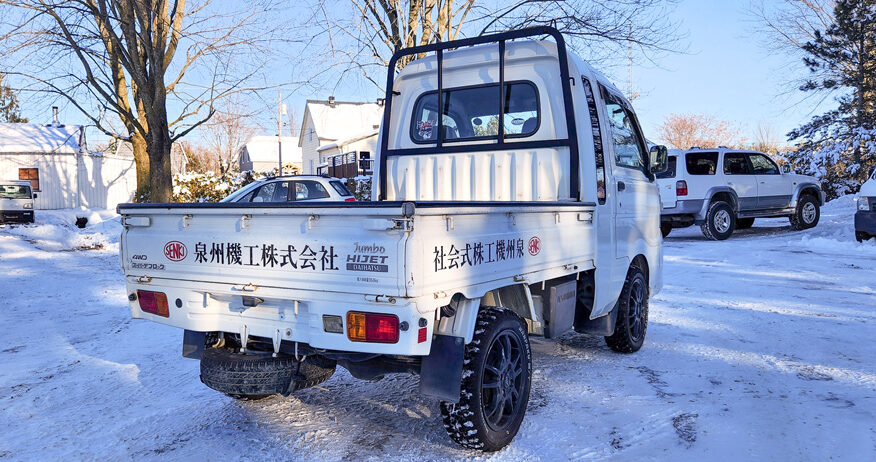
[
  {"x": 514, "y": 196},
  {"x": 16, "y": 202}
]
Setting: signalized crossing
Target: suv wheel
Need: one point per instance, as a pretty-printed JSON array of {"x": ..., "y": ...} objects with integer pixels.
[
  {"x": 861, "y": 236},
  {"x": 497, "y": 376},
  {"x": 807, "y": 214},
  {"x": 632, "y": 314},
  {"x": 720, "y": 221}
]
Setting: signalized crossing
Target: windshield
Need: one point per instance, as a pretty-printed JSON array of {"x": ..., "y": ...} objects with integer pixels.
[{"x": 14, "y": 191}]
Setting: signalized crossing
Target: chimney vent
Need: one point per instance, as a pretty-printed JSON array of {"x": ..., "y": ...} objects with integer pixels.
[
  {"x": 331, "y": 101},
  {"x": 380, "y": 102},
  {"x": 55, "y": 121}
]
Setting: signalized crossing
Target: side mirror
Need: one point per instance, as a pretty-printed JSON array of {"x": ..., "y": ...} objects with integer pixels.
[
  {"x": 786, "y": 168},
  {"x": 34, "y": 195},
  {"x": 659, "y": 157}
]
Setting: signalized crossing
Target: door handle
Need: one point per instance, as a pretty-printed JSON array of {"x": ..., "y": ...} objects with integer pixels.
[{"x": 621, "y": 186}]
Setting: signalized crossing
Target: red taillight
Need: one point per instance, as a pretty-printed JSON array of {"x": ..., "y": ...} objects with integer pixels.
[
  {"x": 681, "y": 188},
  {"x": 421, "y": 335},
  {"x": 372, "y": 327},
  {"x": 350, "y": 199},
  {"x": 153, "y": 302}
]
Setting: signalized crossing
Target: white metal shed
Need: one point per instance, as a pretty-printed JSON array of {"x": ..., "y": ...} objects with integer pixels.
[{"x": 63, "y": 173}]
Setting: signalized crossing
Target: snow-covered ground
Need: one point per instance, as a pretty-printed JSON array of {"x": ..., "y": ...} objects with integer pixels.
[{"x": 759, "y": 348}]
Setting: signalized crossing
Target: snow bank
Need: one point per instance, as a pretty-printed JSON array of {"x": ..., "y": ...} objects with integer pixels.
[
  {"x": 57, "y": 230},
  {"x": 836, "y": 230}
]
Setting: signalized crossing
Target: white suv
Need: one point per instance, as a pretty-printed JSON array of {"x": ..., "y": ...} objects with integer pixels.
[{"x": 724, "y": 189}]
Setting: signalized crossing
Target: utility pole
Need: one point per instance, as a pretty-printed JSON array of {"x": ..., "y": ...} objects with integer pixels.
[{"x": 281, "y": 111}]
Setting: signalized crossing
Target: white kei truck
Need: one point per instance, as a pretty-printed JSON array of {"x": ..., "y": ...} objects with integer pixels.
[{"x": 529, "y": 207}]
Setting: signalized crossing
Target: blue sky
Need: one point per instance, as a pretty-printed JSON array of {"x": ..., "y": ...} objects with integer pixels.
[{"x": 727, "y": 72}]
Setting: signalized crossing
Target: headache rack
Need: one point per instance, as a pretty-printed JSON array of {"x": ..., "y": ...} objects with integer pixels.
[{"x": 571, "y": 141}]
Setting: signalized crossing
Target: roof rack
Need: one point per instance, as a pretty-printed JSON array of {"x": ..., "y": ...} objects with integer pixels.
[{"x": 571, "y": 140}]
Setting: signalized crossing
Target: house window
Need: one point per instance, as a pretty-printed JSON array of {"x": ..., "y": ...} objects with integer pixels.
[{"x": 32, "y": 175}]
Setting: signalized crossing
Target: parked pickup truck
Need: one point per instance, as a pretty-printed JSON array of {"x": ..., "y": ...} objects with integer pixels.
[
  {"x": 16, "y": 202},
  {"x": 529, "y": 207},
  {"x": 723, "y": 189}
]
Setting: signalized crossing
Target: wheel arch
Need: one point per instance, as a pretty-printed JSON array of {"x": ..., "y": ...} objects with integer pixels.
[{"x": 808, "y": 188}]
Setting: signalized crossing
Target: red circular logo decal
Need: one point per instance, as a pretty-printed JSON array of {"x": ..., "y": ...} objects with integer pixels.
[
  {"x": 534, "y": 246},
  {"x": 175, "y": 251}
]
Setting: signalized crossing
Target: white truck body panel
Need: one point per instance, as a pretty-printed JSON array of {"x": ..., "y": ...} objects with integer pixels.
[{"x": 306, "y": 257}]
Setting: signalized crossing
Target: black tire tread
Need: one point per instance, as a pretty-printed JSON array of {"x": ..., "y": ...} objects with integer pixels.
[
  {"x": 459, "y": 418},
  {"x": 619, "y": 341},
  {"x": 257, "y": 375}
]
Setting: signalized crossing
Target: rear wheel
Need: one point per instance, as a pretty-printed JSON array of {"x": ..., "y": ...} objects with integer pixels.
[
  {"x": 807, "y": 214},
  {"x": 720, "y": 221},
  {"x": 632, "y": 314},
  {"x": 495, "y": 386},
  {"x": 862, "y": 236},
  {"x": 744, "y": 223},
  {"x": 665, "y": 229}
]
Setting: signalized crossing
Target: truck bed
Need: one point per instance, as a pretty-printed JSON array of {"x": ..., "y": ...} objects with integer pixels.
[{"x": 380, "y": 248}]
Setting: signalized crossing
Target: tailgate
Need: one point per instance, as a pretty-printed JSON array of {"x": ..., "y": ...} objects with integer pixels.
[{"x": 340, "y": 250}]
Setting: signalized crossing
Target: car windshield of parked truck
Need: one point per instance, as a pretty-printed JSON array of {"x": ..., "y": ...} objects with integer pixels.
[
  {"x": 763, "y": 165},
  {"x": 470, "y": 113},
  {"x": 14, "y": 191},
  {"x": 735, "y": 164},
  {"x": 701, "y": 163},
  {"x": 671, "y": 162}
]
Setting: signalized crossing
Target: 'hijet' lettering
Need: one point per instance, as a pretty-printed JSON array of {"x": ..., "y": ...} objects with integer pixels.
[{"x": 288, "y": 256}]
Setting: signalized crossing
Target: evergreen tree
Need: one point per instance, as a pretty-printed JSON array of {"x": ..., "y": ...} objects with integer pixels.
[
  {"x": 839, "y": 146},
  {"x": 9, "y": 110}
]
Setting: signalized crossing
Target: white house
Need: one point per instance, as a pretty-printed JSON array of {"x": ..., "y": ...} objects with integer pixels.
[
  {"x": 262, "y": 153},
  {"x": 61, "y": 170},
  {"x": 328, "y": 122},
  {"x": 348, "y": 157}
]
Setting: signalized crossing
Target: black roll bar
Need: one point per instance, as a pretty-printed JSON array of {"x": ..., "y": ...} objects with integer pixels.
[{"x": 571, "y": 141}]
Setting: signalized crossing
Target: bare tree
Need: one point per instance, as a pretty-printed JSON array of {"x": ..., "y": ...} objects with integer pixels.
[
  {"x": 227, "y": 132},
  {"x": 364, "y": 42},
  {"x": 159, "y": 66},
  {"x": 765, "y": 139},
  {"x": 682, "y": 131}
]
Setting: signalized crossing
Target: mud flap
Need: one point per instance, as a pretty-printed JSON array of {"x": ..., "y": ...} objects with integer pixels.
[
  {"x": 193, "y": 344},
  {"x": 603, "y": 325},
  {"x": 441, "y": 371}
]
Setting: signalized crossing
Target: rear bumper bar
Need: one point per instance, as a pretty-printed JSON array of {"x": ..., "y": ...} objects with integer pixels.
[
  {"x": 292, "y": 316},
  {"x": 16, "y": 216}
]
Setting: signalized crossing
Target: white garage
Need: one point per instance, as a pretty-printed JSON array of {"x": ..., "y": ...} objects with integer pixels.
[{"x": 62, "y": 171}]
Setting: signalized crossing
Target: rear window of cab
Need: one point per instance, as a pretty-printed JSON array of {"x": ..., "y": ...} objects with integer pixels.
[{"x": 472, "y": 113}]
